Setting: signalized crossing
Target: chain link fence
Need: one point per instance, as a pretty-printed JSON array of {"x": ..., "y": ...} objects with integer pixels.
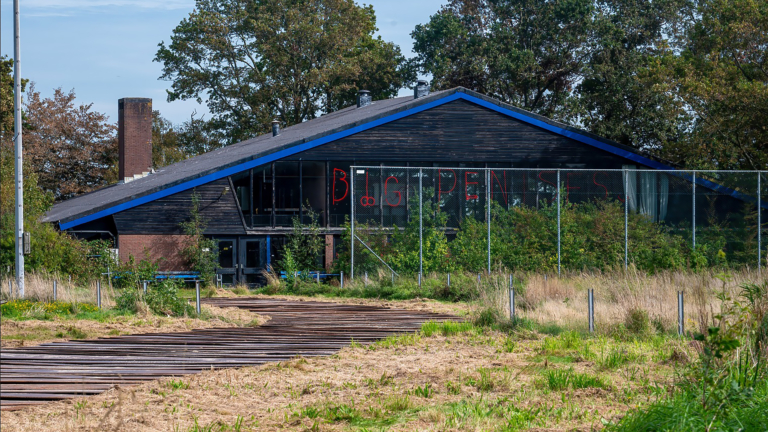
[{"x": 416, "y": 220}]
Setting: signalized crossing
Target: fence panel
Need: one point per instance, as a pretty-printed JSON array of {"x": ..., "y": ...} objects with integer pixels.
[{"x": 442, "y": 219}]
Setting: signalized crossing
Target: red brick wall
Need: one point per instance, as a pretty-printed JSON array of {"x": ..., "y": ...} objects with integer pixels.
[
  {"x": 134, "y": 136},
  {"x": 166, "y": 249}
]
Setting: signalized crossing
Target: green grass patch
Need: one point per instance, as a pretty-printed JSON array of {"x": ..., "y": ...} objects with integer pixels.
[
  {"x": 446, "y": 328},
  {"x": 25, "y": 309},
  {"x": 563, "y": 379}
]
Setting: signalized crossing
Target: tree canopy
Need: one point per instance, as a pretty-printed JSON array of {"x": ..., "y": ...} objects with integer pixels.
[
  {"x": 253, "y": 61},
  {"x": 684, "y": 79}
]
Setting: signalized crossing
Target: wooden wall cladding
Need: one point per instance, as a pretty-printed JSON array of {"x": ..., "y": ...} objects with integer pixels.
[
  {"x": 164, "y": 216},
  {"x": 461, "y": 131}
]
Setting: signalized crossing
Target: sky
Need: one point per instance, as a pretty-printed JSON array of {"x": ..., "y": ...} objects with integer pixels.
[{"x": 103, "y": 49}]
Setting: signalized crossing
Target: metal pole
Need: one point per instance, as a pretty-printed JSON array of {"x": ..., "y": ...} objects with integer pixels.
[
  {"x": 511, "y": 298},
  {"x": 197, "y": 296},
  {"x": 341, "y": 280},
  {"x": 55, "y": 283},
  {"x": 694, "y": 210},
  {"x": 478, "y": 278},
  {"x": 421, "y": 229},
  {"x": 352, "y": 228},
  {"x": 144, "y": 285},
  {"x": 98, "y": 293},
  {"x": 318, "y": 276},
  {"x": 365, "y": 280},
  {"x": 680, "y": 313},
  {"x": 626, "y": 219},
  {"x": 18, "y": 151},
  {"x": 393, "y": 278},
  {"x": 591, "y": 310},
  {"x": 488, "y": 204},
  {"x": 558, "y": 222},
  {"x": 449, "y": 280},
  {"x": 109, "y": 278},
  {"x": 759, "y": 227}
]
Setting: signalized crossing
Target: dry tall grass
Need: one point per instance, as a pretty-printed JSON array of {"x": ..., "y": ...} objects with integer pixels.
[
  {"x": 39, "y": 286},
  {"x": 563, "y": 300}
]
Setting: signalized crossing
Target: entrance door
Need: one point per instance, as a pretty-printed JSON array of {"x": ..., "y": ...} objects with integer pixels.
[
  {"x": 251, "y": 259},
  {"x": 227, "y": 261}
]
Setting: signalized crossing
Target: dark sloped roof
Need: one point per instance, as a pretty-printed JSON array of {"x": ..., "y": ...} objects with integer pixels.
[{"x": 247, "y": 154}]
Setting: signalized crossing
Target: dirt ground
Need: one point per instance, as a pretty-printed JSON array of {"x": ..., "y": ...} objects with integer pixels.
[
  {"x": 15, "y": 333},
  {"x": 480, "y": 380}
]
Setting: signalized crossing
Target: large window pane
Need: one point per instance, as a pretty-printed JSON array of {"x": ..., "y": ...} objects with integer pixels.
[
  {"x": 287, "y": 192},
  {"x": 340, "y": 179},
  {"x": 262, "y": 196},
  {"x": 314, "y": 192}
]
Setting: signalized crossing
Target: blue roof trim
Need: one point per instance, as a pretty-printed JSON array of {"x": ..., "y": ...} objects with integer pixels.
[
  {"x": 256, "y": 162},
  {"x": 360, "y": 128}
]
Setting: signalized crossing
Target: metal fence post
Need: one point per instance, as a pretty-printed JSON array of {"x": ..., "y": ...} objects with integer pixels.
[
  {"x": 558, "y": 222},
  {"x": 478, "y": 278},
  {"x": 393, "y": 278},
  {"x": 626, "y": 219},
  {"x": 197, "y": 296},
  {"x": 488, "y": 217},
  {"x": 144, "y": 285},
  {"x": 365, "y": 278},
  {"x": 449, "y": 280},
  {"x": 421, "y": 229},
  {"x": 98, "y": 293},
  {"x": 352, "y": 226},
  {"x": 55, "y": 283},
  {"x": 591, "y": 300},
  {"x": 680, "y": 313},
  {"x": 511, "y": 298},
  {"x": 694, "y": 210},
  {"x": 341, "y": 280}
]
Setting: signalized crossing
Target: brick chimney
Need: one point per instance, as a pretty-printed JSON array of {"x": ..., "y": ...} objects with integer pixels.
[{"x": 134, "y": 137}]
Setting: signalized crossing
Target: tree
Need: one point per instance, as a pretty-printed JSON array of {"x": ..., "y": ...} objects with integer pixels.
[
  {"x": 525, "y": 52},
  {"x": 254, "y": 61},
  {"x": 73, "y": 149},
  {"x": 722, "y": 76},
  {"x": 628, "y": 93},
  {"x": 6, "y": 95}
]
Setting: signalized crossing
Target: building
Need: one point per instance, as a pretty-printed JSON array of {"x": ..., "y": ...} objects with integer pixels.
[{"x": 251, "y": 191}]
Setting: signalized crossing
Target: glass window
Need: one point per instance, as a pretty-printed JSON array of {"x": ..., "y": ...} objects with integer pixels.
[
  {"x": 262, "y": 196},
  {"x": 287, "y": 192},
  {"x": 242, "y": 183},
  {"x": 340, "y": 178},
  {"x": 314, "y": 191},
  {"x": 226, "y": 254},
  {"x": 252, "y": 254}
]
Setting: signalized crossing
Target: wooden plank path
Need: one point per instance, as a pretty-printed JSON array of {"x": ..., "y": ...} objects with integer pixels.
[{"x": 62, "y": 370}]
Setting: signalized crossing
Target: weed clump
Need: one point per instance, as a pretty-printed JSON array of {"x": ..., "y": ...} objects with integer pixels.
[{"x": 637, "y": 321}]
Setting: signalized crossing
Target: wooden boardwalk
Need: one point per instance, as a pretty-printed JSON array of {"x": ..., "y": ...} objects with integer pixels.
[{"x": 61, "y": 370}]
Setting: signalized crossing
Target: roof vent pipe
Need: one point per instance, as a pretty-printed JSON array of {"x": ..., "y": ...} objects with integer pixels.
[
  {"x": 363, "y": 98},
  {"x": 421, "y": 89},
  {"x": 275, "y": 128}
]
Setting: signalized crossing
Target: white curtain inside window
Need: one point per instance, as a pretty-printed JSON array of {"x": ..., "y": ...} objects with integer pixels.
[{"x": 631, "y": 186}]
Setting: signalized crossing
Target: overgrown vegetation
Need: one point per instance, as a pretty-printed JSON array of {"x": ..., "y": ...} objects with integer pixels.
[
  {"x": 525, "y": 238},
  {"x": 200, "y": 251},
  {"x": 727, "y": 388},
  {"x": 162, "y": 298},
  {"x": 303, "y": 248}
]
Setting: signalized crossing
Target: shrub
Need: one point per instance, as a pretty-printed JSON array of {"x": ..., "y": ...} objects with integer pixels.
[
  {"x": 637, "y": 321},
  {"x": 162, "y": 298}
]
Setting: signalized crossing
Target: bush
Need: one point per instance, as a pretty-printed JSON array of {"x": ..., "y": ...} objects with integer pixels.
[
  {"x": 162, "y": 298},
  {"x": 637, "y": 321}
]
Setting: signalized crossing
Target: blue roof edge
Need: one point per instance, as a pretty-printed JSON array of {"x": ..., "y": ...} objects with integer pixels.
[{"x": 457, "y": 95}]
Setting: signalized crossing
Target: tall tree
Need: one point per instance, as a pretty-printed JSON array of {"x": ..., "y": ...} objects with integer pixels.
[
  {"x": 526, "y": 52},
  {"x": 628, "y": 93},
  {"x": 722, "y": 75},
  {"x": 255, "y": 60},
  {"x": 72, "y": 148}
]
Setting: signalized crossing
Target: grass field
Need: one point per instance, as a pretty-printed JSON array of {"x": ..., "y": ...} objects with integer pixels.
[{"x": 543, "y": 371}]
